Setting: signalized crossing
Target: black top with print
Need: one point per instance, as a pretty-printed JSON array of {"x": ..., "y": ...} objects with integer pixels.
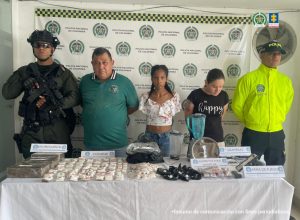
[{"x": 212, "y": 107}]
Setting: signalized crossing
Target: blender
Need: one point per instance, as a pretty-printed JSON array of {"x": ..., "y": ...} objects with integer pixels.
[
  {"x": 176, "y": 139},
  {"x": 199, "y": 146},
  {"x": 196, "y": 125}
]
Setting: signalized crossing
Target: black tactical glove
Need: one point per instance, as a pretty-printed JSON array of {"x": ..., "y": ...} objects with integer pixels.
[{"x": 28, "y": 83}]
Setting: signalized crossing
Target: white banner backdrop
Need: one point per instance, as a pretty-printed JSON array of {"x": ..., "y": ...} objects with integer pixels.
[{"x": 189, "y": 45}]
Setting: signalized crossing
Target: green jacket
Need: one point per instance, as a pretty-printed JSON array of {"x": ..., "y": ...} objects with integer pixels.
[{"x": 262, "y": 99}]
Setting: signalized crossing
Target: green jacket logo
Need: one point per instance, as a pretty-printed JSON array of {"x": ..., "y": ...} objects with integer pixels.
[
  {"x": 114, "y": 89},
  {"x": 168, "y": 50},
  {"x": 189, "y": 70},
  {"x": 123, "y": 49},
  {"x": 145, "y": 69},
  {"x": 53, "y": 27},
  {"x": 146, "y": 32},
  {"x": 233, "y": 71},
  {"x": 235, "y": 35},
  {"x": 191, "y": 33},
  {"x": 212, "y": 51},
  {"x": 76, "y": 47},
  {"x": 260, "y": 88},
  {"x": 100, "y": 30},
  {"x": 259, "y": 19},
  {"x": 230, "y": 140}
]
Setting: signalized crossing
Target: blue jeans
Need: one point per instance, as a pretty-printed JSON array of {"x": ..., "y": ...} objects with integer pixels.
[{"x": 162, "y": 139}]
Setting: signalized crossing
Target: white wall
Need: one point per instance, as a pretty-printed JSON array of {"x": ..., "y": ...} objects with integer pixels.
[
  {"x": 23, "y": 25},
  {"x": 296, "y": 138},
  {"x": 7, "y": 155}
]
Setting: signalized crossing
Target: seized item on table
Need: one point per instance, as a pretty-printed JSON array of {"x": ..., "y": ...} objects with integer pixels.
[
  {"x": 29, "y": 169},
  {"x": 58, "y": 156},
  {"x": 142, "y": 171},
  {"x": 216, "y": 172},
  {"x": 236, "y": 174},
  {"x": 139, "y": 147},
  {"x": 181, "y": 172},
  {"x": 248, "y": 160},
  {"x": 82, "y": 169},
  {"x": 205, "y": 148},
  {"x": 144, "y": 152},
  {"x": 53, "y": 158}
]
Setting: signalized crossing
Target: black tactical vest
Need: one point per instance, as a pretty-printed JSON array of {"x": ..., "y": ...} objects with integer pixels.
[{"x": 41, "y": 84}]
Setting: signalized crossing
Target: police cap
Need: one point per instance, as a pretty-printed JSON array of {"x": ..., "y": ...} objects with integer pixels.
[{"x": 271, "y": 46}]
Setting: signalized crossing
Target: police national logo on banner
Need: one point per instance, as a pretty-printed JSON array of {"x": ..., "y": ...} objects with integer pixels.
[
  {"x": 145, "y": 69},
  {"x": 100, "y": 30},
  {"x": 230, "y": 140},
  {"x": 212, "y": 51},
  {"x": 235, "y": 35},
  {"x": 259, "y": 19},
  {"x": 123, "y": 49},
  {"x": 76, "y": 47},
  {"x": 168, "y": 50},
  {"x": 171, "y": 85},
  {"x": 53, "y": 27},
  {"x": 189, "y": 70},
  {"x": 191, "y": 33},
  {"x": 233, "y": 71},
  {"x": 146, "y": 32}
]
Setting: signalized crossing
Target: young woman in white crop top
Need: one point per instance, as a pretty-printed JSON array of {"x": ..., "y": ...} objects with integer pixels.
[{"x": 160, "y": 104}]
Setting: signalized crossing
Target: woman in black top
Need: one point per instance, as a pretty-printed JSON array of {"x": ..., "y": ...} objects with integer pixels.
[{"x": 212, "y": 101}]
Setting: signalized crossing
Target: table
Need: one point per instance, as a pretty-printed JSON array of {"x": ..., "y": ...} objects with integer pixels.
[{"x": 220, "y": 199}]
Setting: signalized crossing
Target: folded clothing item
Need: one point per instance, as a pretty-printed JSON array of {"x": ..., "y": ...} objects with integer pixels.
[{"x": 151, "y": 157}]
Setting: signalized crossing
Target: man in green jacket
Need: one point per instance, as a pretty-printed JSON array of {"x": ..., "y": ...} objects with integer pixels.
[
  {"x": 50, "y": 92},
  {"x": 261, "y": 102}
]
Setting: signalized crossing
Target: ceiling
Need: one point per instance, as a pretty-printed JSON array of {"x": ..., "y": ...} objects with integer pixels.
[{"x": 244, "y": 4}]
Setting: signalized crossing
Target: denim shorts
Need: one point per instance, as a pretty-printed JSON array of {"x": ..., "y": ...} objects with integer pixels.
[{"x": 162, "y": 139}]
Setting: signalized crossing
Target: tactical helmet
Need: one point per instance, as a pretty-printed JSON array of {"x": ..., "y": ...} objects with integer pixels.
[{"x": 44, "y": 36}]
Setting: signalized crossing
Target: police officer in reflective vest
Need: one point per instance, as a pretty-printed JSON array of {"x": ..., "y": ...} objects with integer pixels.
[
  {"x": 50, "y": 92},
  {"x": 261, "y": 101}
]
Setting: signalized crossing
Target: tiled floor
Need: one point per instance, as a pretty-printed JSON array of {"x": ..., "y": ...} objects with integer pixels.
[{"x": 295, "y": 212}]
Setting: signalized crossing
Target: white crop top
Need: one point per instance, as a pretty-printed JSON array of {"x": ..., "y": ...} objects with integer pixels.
[{"x": 159, "y": 114}]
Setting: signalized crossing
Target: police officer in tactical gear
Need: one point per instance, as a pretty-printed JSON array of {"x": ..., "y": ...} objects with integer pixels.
[{"x": 50, "y": 92}]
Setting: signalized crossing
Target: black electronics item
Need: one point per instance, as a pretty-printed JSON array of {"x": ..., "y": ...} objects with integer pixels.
[
  {"x": 245, "y": 162},
  {"x": 236, "y": 174}
]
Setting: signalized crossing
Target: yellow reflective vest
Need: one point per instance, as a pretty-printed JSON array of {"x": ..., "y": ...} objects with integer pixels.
[{"x": 262, "y": 99}]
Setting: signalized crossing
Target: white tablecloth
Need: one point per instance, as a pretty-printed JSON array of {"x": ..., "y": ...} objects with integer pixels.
[{"x": 228, "y": 199}]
